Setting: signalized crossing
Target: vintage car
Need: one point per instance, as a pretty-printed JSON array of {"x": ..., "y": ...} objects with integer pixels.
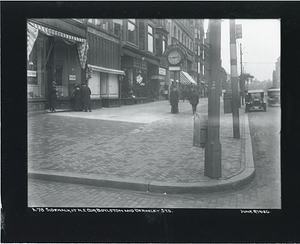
[
  {"x": 274, "y": 97},
  {"x": 255, "y": 101}
]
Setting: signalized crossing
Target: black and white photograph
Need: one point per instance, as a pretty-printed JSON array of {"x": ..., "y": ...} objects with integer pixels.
[
  {"x": 149, "y": 122},
  {"x": 154, "y": 113}
]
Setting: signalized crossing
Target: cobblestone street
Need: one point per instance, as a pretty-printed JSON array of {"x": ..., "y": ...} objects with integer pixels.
[
  {"x": 162, "y": 150},
  {"x": 159, "y": 150}
]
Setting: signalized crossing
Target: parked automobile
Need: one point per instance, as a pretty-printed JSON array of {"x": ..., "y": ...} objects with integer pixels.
[
  {"x": 255, "y": 101},
  {"x": 274, "y": 97}
]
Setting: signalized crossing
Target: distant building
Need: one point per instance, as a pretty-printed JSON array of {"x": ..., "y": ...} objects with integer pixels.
[
  {"x": 276, "y": 74},
  {"x": 118, "y": 58}
]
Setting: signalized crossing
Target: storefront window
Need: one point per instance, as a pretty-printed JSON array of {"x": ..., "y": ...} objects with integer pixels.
[
  {"x": 36, "y": 68},
  {"x": 58, "y": 75},
  {"x": 132, "y": 31},
  {"x": 32, "y": 68}
]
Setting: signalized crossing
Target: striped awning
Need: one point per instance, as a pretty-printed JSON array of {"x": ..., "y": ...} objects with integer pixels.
[
  {"x": 186, "y": 79},
  {"x": 51, "y": 32},
  {"x": 32, "y": 33}
]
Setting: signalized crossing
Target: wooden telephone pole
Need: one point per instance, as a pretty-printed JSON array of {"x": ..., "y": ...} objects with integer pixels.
[
  {"x": 242, "y": 81},
  {"x": 234, "y": 81},
  {"x": 212, "y": 166}
]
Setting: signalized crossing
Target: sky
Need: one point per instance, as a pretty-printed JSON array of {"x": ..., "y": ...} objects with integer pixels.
[{"x": 260, "y": 46}]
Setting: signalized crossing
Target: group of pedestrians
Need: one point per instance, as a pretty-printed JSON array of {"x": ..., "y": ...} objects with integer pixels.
[
  {"x": 81, "y": 97},
  {"x": 174, "y": 99}
]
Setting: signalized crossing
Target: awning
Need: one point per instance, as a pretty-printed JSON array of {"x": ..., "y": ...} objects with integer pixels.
[
  {"x": 158, "y": 77},
  {"x": 32, "y": 33},
  {"x": 51, "y": 32},
  {"x": 186, "y": 79},
  {"x": 106, "y": 70}
]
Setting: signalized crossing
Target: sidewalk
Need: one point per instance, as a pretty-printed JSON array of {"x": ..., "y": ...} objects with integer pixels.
[{"x": 128, "y": 149}]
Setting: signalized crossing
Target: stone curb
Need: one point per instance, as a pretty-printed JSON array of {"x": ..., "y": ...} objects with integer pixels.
[
  {"x": 213, "y": 185},
  {"x": 39, "y": 112}
]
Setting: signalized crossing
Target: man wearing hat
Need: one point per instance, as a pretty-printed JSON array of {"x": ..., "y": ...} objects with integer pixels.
[
  {"x": 194, "y": 100},
  {"x": 174, "y": 99},
  {"x": 86, "y": 97}
]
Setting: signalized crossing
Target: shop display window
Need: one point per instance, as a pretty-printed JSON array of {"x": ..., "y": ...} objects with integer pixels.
[{"x": 36, "y": 68}]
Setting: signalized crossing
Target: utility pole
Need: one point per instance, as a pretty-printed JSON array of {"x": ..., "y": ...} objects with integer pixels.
[
  {"x": 242, "y": 83},
  {"x": 234, "y": 81},
  {"x": 212, "y": 166}
]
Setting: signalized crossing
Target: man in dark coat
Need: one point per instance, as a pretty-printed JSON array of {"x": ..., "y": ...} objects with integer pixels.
[
  {"x": 174, "y": 99},
  {"x": 194, "y": 101},
  {"x": 53, "y": 97},
  {"x": 86, "y": 97}
]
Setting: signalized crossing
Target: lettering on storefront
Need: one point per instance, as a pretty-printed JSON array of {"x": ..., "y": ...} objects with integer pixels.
[
  {"x": 72, "y": 77},
  {"x": 174, "y": 68},
  {"x": 31, "y": 73},
  {"x": 161, "y": 71}
]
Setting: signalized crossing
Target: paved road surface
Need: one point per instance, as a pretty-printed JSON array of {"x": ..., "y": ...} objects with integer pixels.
[
  {"x": 263, "y": 193},
  {"x": 265, "y": 134}
]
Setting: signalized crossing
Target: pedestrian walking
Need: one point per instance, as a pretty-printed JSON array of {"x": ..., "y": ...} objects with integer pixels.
[
  {"x": 194, "y": 101},
  {"x": 86, "y": 97},
  {"x": 188, "y": 95},
  {"x": 77, "y": 98},
  {"x": 53, "y": 97},
  {"x": 174, "y": 99},
  {"x": 183, "y": 95}
]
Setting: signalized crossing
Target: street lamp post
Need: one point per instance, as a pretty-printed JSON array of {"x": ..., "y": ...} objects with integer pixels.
[{"x": 212, "y": 166}]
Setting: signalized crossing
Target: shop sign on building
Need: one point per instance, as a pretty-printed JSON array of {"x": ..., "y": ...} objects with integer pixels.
[
  {"x": 174, "y": 68},
  {"x": 139, "y": 79},
  {"x": 72, "y": 77},
  {"x": 31, "y": 73},
  {"x": 161, "y": 71}
]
